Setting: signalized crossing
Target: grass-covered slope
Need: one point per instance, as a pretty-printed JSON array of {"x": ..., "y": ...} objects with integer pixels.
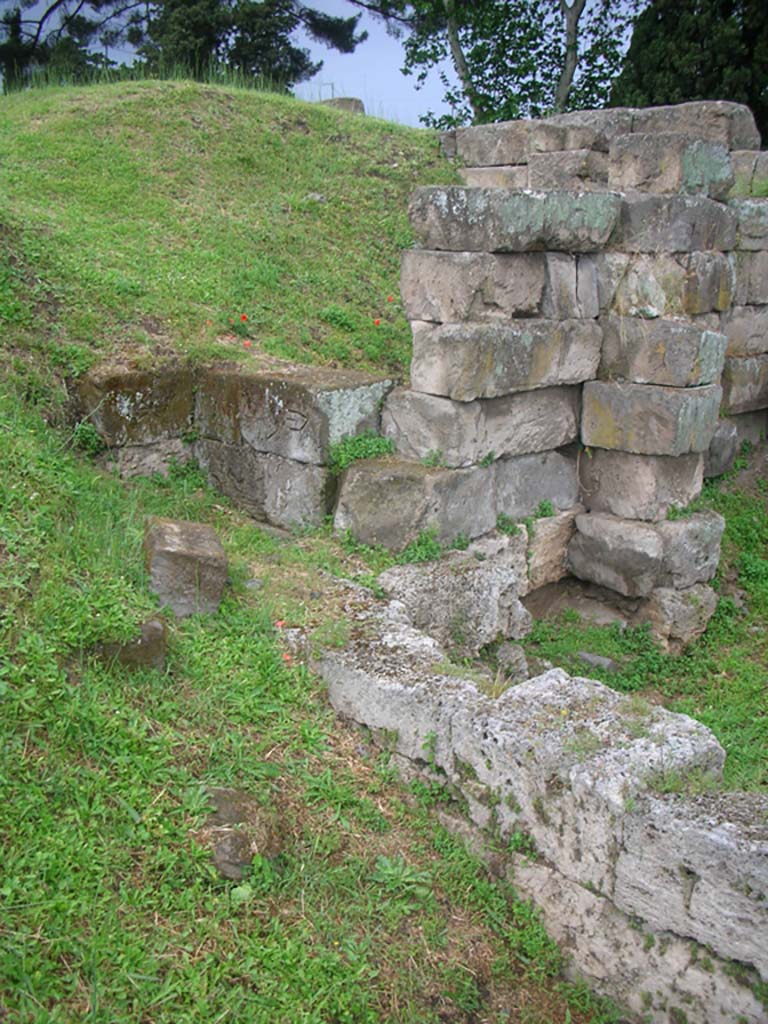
[{"x": 156, "y": 213}]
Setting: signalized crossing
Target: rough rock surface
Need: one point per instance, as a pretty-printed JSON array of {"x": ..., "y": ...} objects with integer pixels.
[
  {"x": 621, "y": 554},
  {"x": 187, "y": 565},
  {"x": 493, "y": 220},
  {"x": 147, "y": 650},
  {"x": 670, "y": 163},
  {"x": 655, "y": 224},
  {"x": 746, "y": 328},
  {"x": 468, "y": 361},
  {"x": 464, "y": 603},
  {"x": 649, "y": 419},
  {"x": 752, "y": 222},
  {"x": 745, "y": 384},
  {"x": 678, "y": 617},
  {"x": 548, "y": 540},
  {"x": 465, "y": 433},
  {"x": 691, "y": 549},
  {"x": 664, "y": 284},
  {"x": 638, "y": 486},
  {"x": 723, "y": 449},
  {"x": 669, "y": 352},
  {"x": 522, "y": 483}
]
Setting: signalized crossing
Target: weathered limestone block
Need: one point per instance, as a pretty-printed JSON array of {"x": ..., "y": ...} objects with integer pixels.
[
  {"x": 548, "y": 540},
  {"x": 751, "y": 278},
  {"x": 468, "y": 361},
  {"x": 658, "y": 224},
  {"x": 575, "y": 169},
  {"x": 153, "y": 457},
  {"x": 745, "y": 384},
  {"x": 638, "y": 486},
  {"x": 700, "y": 866},
  {"x": 391, "y": 501},
  {"x": 293, "y": 411},
  {"x": 647, "y": 419},
  {"x": 672, "y": 352},
  {"x": 651, "y": 975},
  {"x": 510, "y": 550},
  {"x": 187, "y": 565},
  {"x": 492, "y": 220},
  {"x": 133, "y": 406},
  {"x": 746, "y": 328},
  {"x": 515, "y": 176},
  {"x": 759, "y": 186},
  {"x": 664, "y": 285},
  {"x": 691, "y": 549},
  {"x": 752, "y": 222},
  {"x": 678, "y": 617},
  {"x": 548, "y": 137},
  {"x": 281, "y": 491},
  {"x": 470, "y": 432},
  {"x": 731, "y": 124},
  {"x": 522, "y": 483},
  {"x": 669, "y": 163},
  {"x": 743, "y": 162},
  {"x": 490, "y": 145},
  {"x": 621, "y": 554},
  {"x": 722, "y": 450},
  {"x": 448, "y": 287},
  {"x": 604, "y": 125},
  {"x": 460, "y": 601}
]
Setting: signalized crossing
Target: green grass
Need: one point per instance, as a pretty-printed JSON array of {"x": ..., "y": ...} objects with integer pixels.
[
  {"x": 156, "y": 214},
  {"x": 110, "y": 909}
]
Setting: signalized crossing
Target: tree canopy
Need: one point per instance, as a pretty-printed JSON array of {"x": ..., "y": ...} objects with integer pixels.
[
  {"x": 698, "y": 50},
  {"x": 251, "y": 36}
]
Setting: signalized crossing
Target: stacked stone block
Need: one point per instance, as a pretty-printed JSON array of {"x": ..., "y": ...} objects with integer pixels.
[{"x": 585, "y": 308}]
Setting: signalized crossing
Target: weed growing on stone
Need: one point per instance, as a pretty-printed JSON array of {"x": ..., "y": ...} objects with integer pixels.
[{"x": 362, "y": 446}]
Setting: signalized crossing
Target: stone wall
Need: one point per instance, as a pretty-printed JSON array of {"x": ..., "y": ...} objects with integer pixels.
[{"x": 584, "y": 311}]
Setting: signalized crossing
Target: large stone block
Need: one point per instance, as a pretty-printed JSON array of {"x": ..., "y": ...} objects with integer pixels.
[
  {"x": 698, "y": 866},
  {"x": 187, "y": 565},
  {"x": 462, "y": 602},
  {"x": 678, "y": 617},
  {"x": 723, "y": 449},
  {"x": 548, "y": 540},
  {"x": 743, "y": 162},
  {"x": 751, "y": 278},
  {"x": 604, "y": 125},
  {"x": 746, "y": 328},
  {"x": 621, "y": 554},
  {"x": 495, "y": 177},
  {"x": 647, "y": 419},
  {"x": 468, "y": 361},
  {"x": 131, "y": 406},
  {"x": 292, "y": 411},
  {"x": 446, "y": 287},
  {"x": 493, "y": 220},
  {"x": 752, "y": 222},
  {"x": 664, "y": 285},
  {"x": 522, "y": 483},
  {"x": 281, "y": 491},
  {"x": 391, "y": 501},
  {"x": 657, "y": 224},
  {"x": 638, "y": 486},
  {"x": 672, "y": 352},
  {"x": 745, "y": 384},
  {"x": 691, "y": 549},
  {"x": 572, "y": 170},
  {"x": 670, "y": 164},
  {"x": 731, "y": 124},
  {"x": 490, "y": 145},
  {"x": 464, "y": 433}
]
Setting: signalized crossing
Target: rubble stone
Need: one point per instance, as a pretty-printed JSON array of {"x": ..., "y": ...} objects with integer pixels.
[
  {"x": 493, "y": 220},
  {"x": 678, "y": 617},
  {"x": 670, "y": 163},
  {"x": 471, "y": 432},
  {"x": 745, "y": 384},
  {"x": 638, "y": 486},
  {"x": 468, "y": 361},
  {"x": 691, "y": 549},
  {"x": 187, "y": 565},
  {"x": 621, "y": 554},
  {"x": 671, "y": 352},
  {"x": 647, "y": 419},
  {"x": 460, "y": 601},
  {"x": 548, "y": 540}
]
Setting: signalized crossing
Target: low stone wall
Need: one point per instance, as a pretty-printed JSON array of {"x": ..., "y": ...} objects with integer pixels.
[{"x": 659, "y": 899}]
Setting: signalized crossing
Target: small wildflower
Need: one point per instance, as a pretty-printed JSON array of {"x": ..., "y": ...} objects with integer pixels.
[
  {"x": 287, "y": 658},
  {"x": 247, "y": 344},
  {"x": 279, "y": 623},
  {"x": 209, "y": 323},
  {"x": 377, "y": 321},
  {"x": 244, "y": 318},
  {"x": 390, "y": 298}
]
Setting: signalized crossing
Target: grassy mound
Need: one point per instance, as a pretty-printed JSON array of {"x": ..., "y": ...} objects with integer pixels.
[{"x": 160, "y": 214}]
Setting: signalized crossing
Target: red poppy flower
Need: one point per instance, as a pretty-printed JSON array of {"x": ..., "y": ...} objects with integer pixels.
[
  {"x": 244, "y": 318},
  {"x": 247, "y": 344},
  {"x": 287, "y": 658},
  {"x": 390, "y": 298},
  {"x": 209, "y": 323},
  {"x": 377, "y": 321},
  {"x": 279, "y": 623}
]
